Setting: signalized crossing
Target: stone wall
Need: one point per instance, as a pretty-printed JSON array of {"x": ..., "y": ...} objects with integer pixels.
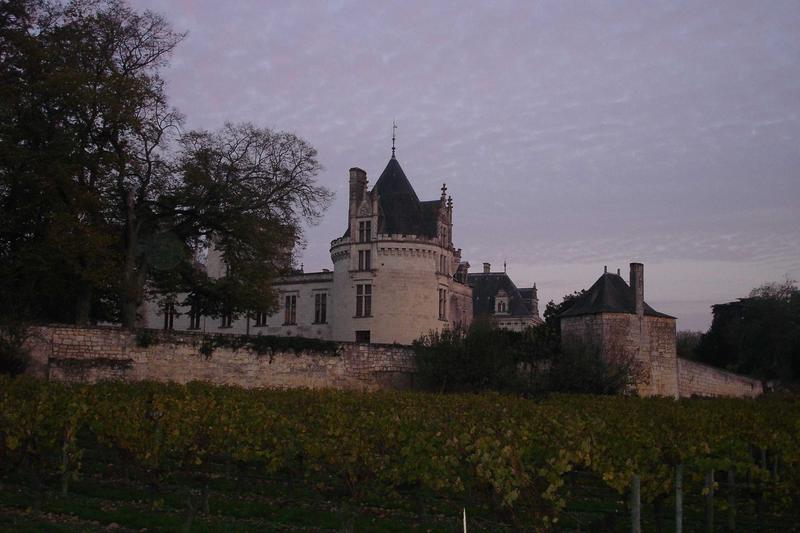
[
  {"x": 91, "y": 354},
  {"x": 651, "y": 341},
  {"x": 696, "y": 379},
  {"x": 622, "y": 336}
]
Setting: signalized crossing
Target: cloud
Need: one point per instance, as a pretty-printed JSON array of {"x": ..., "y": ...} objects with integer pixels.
[{"x": 577, "y": 132}]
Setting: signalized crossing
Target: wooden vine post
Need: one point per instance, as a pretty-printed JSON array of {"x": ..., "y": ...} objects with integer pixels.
[
  {"x": 679, "y": 499},
  {"x": 731, "y": 499},
  {"x": 636, "y": 504},
  {"x": 710, "y": 501}
]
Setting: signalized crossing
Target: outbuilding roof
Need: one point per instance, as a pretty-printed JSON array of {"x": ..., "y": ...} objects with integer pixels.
[{"x": 609, "y": 294}]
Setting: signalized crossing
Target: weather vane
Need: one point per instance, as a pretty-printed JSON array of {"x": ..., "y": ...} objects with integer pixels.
[{"x": 394, "y": 129}]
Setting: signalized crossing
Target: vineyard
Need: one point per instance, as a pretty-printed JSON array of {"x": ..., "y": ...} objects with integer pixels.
[{"x": 207, "y": 458}]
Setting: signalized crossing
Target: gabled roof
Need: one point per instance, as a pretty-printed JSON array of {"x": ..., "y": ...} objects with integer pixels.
[
  {"x": 485, "y": 285},
  {"x": 399, "y": 208},
  {"x": 609, "y": 294}
]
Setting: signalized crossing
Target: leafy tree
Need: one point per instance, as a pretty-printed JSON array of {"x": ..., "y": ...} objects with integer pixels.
[
  {"x": 552, "y": 310},
  {"x": 243, "y": 193},
  {"x": 758, "y": 335},
  {"x": 686, "y": 343},
  {"x": 102, "y": 195},
  {"x": 82, "y": 107}
]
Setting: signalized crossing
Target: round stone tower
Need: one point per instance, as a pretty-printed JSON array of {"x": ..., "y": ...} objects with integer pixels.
[{"x": 394, "y": 266}]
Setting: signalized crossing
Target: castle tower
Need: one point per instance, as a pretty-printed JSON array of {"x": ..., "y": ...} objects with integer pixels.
[{"x": 394, "y": 266}]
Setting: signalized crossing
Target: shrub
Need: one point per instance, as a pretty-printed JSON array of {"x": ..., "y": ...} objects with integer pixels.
[
  {"x": 484, "y": 357},
  {"x": 480, "y": 357},
  {"x": 582, "y": 368},
  {"x": 13, "y": 354}
]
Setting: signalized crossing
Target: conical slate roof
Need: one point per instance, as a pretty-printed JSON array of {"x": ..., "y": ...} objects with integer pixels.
[
  {"x": 609, "y": 294},
  {"x": 399, "y": 208}
]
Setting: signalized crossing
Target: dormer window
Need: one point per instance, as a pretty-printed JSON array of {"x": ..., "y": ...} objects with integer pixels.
[
  {"x": 501, "y": 303},
  {"x": 169, "y": 315}
]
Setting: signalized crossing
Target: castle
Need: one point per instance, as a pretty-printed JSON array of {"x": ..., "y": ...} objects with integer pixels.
[{"x": 396, "y": 276}]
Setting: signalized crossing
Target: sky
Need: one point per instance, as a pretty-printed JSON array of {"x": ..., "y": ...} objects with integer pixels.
[{"x": 571, "y": 134}]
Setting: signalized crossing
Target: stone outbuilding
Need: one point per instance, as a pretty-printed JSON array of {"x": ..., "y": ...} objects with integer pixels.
[{"x": 613, "y": 316}]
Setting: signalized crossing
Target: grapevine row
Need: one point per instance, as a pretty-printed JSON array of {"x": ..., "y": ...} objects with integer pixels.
[{"x": 509, "y": 452}]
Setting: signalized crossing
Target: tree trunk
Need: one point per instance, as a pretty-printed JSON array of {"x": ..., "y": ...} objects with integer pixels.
[
  {"x": 132, "y": 277},
  {"x": 65, "y": 467},
  {"x": 83, "y": 304}
]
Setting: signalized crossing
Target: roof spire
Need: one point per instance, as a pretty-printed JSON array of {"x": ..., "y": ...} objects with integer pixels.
[{"x": 394, "y": 129}]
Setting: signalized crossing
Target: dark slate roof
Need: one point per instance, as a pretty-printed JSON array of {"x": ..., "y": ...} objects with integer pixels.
[
  {"x": 399, "y": 208},
  {"x": 528, "y": 293},
  {"x": 484, "y": 288},
  {"x": 609, "y": 294}
]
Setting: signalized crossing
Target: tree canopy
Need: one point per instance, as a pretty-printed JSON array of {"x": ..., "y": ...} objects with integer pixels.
[
  {"x": 102, "y": 193},
  {"x": 758, "y": 335}
]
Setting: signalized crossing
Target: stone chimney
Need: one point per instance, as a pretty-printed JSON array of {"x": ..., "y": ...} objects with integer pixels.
[
  {"x": 358, "y": 185},
  {"x": 637, "y": 285},
  {"x": 487, "y": 267}
]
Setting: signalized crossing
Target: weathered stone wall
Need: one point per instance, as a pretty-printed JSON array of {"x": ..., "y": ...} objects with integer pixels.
[
  {"x": 659, "y": 345},
  {"x": 696, "y": 379},
  {"x": 651, "y": 340},
  {"x": 91, "y": 354}
]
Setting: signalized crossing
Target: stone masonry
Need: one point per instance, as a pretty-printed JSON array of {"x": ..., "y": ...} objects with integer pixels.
[
  {"x": 614, "y": 317},
  {"x": 88, "y": 355},
  {"x": 696, "y": 379},
  {"x": 74, "y": 354}
]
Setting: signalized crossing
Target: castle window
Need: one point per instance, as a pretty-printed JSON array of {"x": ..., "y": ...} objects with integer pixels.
[
  {"x": 362, "y": 336},
  {"x": 365, "y": 231},
  {"x": 320, "y": 308},
  {"x": 194, "y": 315},
  {"x": 364, "y": 260},
  {"x": 226, "y": 319},
  {"x": 260, "y": 318},
  {"x": 169, "y": 315},
  {"x": 442, "y": 304},
  {"x": 443, "y": 264},
  {"x": 290, "y": 310},
  {"x": 501, "y": 307},
  {"x": 364, "y": 300}
]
